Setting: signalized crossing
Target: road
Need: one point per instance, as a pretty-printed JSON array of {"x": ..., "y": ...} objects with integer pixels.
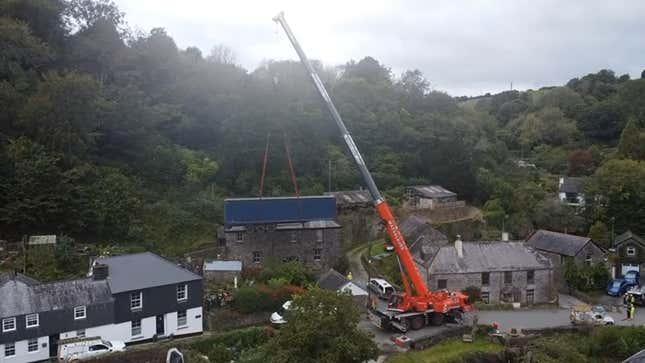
[{"x": 359, "y": 275}]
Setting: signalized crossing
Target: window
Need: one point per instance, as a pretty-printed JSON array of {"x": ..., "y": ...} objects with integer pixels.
[
  {"x": 31, "y": 320},
  {"x": 442, "y": 284},
  {"x": 182, "y": 319},
  {"x": 485, "y": 278},
  {"x": 257, "y": 256},
  {"x": 319, "y": 235},
  {"x": 508, "y": 277},
  {"x": 530, "y": 296},
  {"x": 136, "y": 328},
  {"x": 317, "y": 254},
  {"x": 79, "y": 312},
  {"x": 631, "y": 251},
  {"x": 80, "y": 333},
  {"x": 290, "y": 259},
  {"x": 588, "y": 260},
  {"x": 9, "y": 349},
  {"x": 32, "y": 345},
  {"x": 8, "y": 324},
  {"x": 239, "y": 236},
  {"x": 485, "y": 297},
  {"x": 294, "y": 237},
  {"x": 182, "y": 292},
  {"x": 530, "y": 277},
  {"x": 136, "y": 300},
  {"x": 97, "y": 348}
]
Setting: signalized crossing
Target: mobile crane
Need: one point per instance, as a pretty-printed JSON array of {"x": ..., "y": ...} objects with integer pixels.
[{"x": 418, "y": 306}]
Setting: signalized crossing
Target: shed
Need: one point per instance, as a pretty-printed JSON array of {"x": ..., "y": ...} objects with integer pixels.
[
  {"x": 46, "y": 240},
  {"x": 334, "y": 280},
  {"x": 222, "y": 271},
  {"x": 351, "y": 199}
]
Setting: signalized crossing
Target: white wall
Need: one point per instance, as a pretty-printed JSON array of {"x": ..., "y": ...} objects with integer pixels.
[{"x": 22, "y": 356}]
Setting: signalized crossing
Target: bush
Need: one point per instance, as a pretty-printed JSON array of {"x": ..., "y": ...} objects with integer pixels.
[
  {"x": 617, "y": 342},
  {"x": 474, "y": 294},
  {"x": 228, "y": 346},
  {"x": 260, "y": 297},
  {"x": 293, "y": 272}
]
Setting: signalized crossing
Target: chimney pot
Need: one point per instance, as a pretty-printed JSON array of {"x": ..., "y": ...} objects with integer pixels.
[
  {"x": 459, "y": 246},
  {"x": 100, "y": 271}
]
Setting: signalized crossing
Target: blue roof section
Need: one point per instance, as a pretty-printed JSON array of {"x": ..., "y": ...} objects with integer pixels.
[{"x": 279, "y": 210}]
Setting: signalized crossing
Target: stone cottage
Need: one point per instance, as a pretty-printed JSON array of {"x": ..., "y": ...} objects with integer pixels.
[
  {"x": 630, "y": 253},
  {"x": 560, "y": 246},
  {"x": 283, "y": 229},
  {"x": 504, "y": 271}
]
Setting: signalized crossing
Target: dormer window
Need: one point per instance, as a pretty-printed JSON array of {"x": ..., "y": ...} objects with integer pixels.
[{"x": 631, "y": 251}]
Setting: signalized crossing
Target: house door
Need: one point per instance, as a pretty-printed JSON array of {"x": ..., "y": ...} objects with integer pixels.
[
  {"x": 629, "y": 267},
  {"x": 53, "y": 345},
  {"x": 160, "y": 325}
]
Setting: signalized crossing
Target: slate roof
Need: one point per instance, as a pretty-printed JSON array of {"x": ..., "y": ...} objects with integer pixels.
[
  {"x": 415, "y": 227},
  {"x": 20, "y": 296},
  {"x": 488, "y": 257},
  {"x": 572, "y": 185},
  {"x": 432, "y": 191},
  {"x": 143, "y": 270},
  {"x": 348, "y": 198},
  {"x": 332, "y": 280},
  {"x": 626, "y": 237},
  {"x": 556, "y": 242},
  {"x": 219, "y": 265}
]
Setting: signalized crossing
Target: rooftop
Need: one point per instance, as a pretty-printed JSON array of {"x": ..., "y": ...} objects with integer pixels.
[
  {"x": 487, "y": 257},
  {"x": 332, "y": 280},
  {"x": 570, "y": 184},
  {"x": 351, "y": 197},
  {"x": 23, "y": 295},
  {"x": 432, "y": 191},
  {"x": 143, "y": 270},
  {"x": 241, "y": 211},
  {"x": 556, "y": 242},
  {"x": 629, "y": 235}
]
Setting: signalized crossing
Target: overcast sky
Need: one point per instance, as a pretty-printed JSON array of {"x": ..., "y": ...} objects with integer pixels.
[{"x": 462, "y": 47}]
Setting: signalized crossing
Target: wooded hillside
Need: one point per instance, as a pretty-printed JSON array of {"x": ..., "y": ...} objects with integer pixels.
[{"x": 111, "y": 136}]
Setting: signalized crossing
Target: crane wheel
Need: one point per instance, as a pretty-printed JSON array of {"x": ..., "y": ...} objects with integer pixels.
[
  {"x": 436, "y": 319},
  {"x": 418, "y": 322}
]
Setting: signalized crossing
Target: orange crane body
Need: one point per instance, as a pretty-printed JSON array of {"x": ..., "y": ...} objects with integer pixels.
[{"x": 413, "y": 309}]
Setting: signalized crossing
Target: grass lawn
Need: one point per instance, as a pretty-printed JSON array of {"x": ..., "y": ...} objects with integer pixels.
[
  {"x": 378, "y": 247},
  {"x": 448, "y": 351}
]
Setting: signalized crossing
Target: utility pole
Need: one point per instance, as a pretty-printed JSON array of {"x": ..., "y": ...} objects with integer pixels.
[
  {"x": 613, "y": 219},
  {"x": 329, "y": 176}
]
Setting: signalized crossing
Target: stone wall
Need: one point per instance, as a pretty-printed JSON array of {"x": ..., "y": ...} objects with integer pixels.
[{"x": 286, "y": 244}]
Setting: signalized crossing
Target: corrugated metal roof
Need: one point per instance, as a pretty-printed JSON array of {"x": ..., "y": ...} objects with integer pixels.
[
  {"x": 242, "y": 211},
  {"x": 143, "y": 270},
  {"x": 556, "y": 242},
  {"x": 351, "y": 197},
  {"x": 21, "y": 297},
  {"x": 487, "y": 257},
  {"x": 432, "y": 191},
  {"x": 219, "y": 265}
]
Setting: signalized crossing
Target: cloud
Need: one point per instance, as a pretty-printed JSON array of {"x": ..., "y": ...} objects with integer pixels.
[{"x": 466, "y": 47}]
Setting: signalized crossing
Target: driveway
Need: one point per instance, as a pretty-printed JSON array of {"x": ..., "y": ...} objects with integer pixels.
[{"x": 359, "y": 275}]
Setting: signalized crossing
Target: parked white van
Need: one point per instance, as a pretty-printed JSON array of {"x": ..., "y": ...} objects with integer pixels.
[
  {"x": 79, "y": 349},
  {"x": 381, "y": 287}
]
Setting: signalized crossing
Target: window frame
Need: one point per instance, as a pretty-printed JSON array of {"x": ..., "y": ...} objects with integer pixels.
[
  {"x": 317, "y": 254},
  {"x": 530, "y": 292},
  {"x": 239, "y": 236},
  {"x": 508, "y": 277},
  {"x": 630, "y": 251},
  {"x": 485, "y": 297},
  {"x": 485, "y": 281},
  {"x": 320, "y": 236},
  {"x": 136, "y": 325},
  {"x": 80, "y": 333},
  {"x": 9, "y": 320},
  {"x": 78, "y": 309},
  {"x": 257, "y": 256},
  {"x": 140, "y": 299},
  {"x": 29, "y": 345},
  {"x": 184, "y": 319},
  {"x": 293, "y": 237},
  {"x": 530, "y": 277},
  {"x": 7, "y": 347},
  {"x": 27, "y": 325},
  {"x": 442, "y": 282},
  {"x": 185, "y": 292}
]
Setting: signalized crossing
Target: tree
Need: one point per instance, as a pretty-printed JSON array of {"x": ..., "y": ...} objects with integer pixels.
[
  {"x": 599, "y": 233},
  {"x": 581, "y": 162},
  {"x": 643, "y": 74},
  {"x": 368, "y": 69},
  {"x": 322, "y": 327},
  {"x": 603, "y": 121},
  {"x": 632, "y": 141},
  {"x": 221, "y": 54}
]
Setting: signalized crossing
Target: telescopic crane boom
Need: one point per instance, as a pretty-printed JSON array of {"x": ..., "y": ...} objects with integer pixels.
[{"x": 422, "y": 299}]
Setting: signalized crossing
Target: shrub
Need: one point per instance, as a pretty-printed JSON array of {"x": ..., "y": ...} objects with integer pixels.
[
  {"x": 262, "y": 297},
  {"x": 474, "y": 294},
  {"x": 617, "y": 342}
]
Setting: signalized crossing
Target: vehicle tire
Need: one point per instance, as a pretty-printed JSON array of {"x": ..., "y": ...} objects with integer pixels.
[
  {"x": 456, "y": 317},
  {"x": 609, "y": 324},
  {"x": 418, "y": 322},
  {"x": 406, "y": 324},
  {"x": 436, "y": 319}
]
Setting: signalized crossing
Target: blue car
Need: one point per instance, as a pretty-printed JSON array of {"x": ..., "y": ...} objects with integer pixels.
[{"x": 617, "y": 287}]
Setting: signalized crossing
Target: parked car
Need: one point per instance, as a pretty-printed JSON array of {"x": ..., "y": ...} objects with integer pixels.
[
  {"x": 80, "y": 349},
  {"x": 639, "y": 294},
  {"x": 632, "y": 277},
  {"x": 617, "y": 287},
  {"x": 277, "y": 318},
  {"x": 585, "y": 314},
  {"x": 381, "y": 287}
]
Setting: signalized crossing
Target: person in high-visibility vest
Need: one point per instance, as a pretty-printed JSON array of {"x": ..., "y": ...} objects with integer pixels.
[
  {"x": 349, "y": 276},
  {"x": 632, "y": 307}
]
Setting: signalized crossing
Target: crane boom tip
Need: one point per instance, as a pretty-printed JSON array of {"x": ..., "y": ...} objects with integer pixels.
[{"x": 279, "y": 17}]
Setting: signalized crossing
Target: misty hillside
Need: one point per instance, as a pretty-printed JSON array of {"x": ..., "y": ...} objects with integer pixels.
[{"x": 108, "y": 135}]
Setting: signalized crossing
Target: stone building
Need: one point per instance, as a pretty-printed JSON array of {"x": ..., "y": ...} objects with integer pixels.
[
  {"x": 430, "y": 197},
  {"x": 349, "y": 200},
  {"x": 504, "y": 271},
  {"x": 571, "y": 191},
  {"x": 283, "y": 229},
  {"x": 630, "y": 253},
  {"x": 560, "y": 246}
]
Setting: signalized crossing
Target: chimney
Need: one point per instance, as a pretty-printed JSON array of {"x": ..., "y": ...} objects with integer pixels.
[
  {"x": 100, "y": 271},
  {"x": 505, "y": 236},
  {"x": 459, "y": 246},
  {"x": 561, "y": 181}
]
